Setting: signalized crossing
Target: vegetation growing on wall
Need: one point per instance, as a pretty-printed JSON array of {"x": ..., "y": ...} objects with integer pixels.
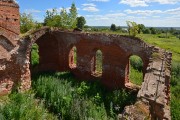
[{"x": 28, "y": 23}]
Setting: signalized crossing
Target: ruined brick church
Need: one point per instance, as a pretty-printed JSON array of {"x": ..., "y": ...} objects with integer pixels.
[{"x": 56, "y": 54}]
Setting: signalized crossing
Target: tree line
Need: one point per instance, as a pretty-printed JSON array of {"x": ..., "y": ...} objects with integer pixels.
[
  {"x": 53, "y": 18},
  {"x": 70, "y": 20},
  {"x": 133, "y": 29}
]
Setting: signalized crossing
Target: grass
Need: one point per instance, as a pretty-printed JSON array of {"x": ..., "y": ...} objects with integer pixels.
[
  {"x": 136, "y": 74},
  {"x": 71, "y": 100},
  {"x": 172, "y": 44},
  {"x": 175, "y": 90},
  {"x": 35, "y": 55},
  {"x": 20, "y": 106},
  {"x": 62, "y": 95}
]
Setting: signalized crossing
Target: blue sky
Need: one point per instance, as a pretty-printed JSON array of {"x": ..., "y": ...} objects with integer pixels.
[{"x": 155, "y": 13}]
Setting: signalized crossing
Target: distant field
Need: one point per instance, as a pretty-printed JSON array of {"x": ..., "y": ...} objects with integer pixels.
[{"x": 171, "y": 44}]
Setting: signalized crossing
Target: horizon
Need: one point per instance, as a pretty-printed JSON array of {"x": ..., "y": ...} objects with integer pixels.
[
  {"x": 156, "y": 13},
  {"x": 145, "y": 26}
]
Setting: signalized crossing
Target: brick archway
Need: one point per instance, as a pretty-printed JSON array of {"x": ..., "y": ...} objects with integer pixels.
[
  {"x": 116, "y": 50},
  {"x": 54, "y": 55}
]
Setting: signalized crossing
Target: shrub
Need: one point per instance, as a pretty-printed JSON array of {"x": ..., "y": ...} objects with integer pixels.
[
  {"x": 136, "y": 62},
  {"x": 136, "y": 74},
  {"x": 69, "y": 99}
]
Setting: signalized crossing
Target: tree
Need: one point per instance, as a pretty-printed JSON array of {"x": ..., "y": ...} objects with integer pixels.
[
  {"x": 153, "y": 30},
  {"x": 63, "y": 19},
  {"x": 26, "y": 22},
  {"x": 119, "y": 28},
  {"x": 132, "y": 28},
  {"x": 73, "y": 16},
  {"x": 172, "y": 30},
  {"x": 141, "y": 28},
  {"x": 52, "y": 18},
  {"x": 81, "y": 22},
  {"x": 147, "y": 31},
  {"x": 113, "y": 27}
]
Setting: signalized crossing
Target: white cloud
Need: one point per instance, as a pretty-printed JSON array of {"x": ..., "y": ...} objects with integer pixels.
[
  {"x": 90, "y": 7},
  {"x": 16, "y": 1},
  {"x": 114, "y": 15},
  {"x": 31, "y": 11},
  {"x": 99, "y": 0},
  {"x": 143, "y": 12},
  {"x": 153, "y": 12},
  {"x": 156, "y": 16},
  {"x": 164, "y": 1},
  {"x": 152, "y": 18},
  {"x": 173, "y": 11},
  {"x": 134, "y": 3},
  {"x": 144, "y": 3},
  {"x": 59, "y": 9},
  {"x": 106, "y": 17}
]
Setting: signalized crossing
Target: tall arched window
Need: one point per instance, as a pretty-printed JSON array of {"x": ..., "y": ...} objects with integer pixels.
[
  {"x": 34, "y": 55},
  {"x": 136, "y": 70},
  {"x": 73, "y": 57},
  {"x": 96, "y": 63}
]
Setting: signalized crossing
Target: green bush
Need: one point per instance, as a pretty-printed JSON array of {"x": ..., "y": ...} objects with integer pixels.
[
  {"x": 70, "y": 99},
  {"x": 136, "y": 62},
  {"x": 136, "y": 67}
]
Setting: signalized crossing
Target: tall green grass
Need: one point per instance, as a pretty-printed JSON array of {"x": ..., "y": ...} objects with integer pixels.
[
  {"x": 136, "y": 66},
  {"x": 175, "y": 90},
  {"x": 83, "y": 99},
  {"x": 35, "y": 55},
  {"x": 24, "y": 107},
  {"x": 70, "y": 99},
  {"x": 172, "y": 44}
]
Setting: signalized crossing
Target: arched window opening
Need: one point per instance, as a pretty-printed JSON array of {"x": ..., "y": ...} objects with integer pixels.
[
  {"x": 73, "y": 57},
  {"x": 136, "y": 70},
  {"x": 34, "y": 55},
  {"x": 97, "y": 62}
]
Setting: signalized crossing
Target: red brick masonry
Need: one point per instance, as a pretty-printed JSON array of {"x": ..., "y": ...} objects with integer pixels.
[{"x": 55, "y": 51}]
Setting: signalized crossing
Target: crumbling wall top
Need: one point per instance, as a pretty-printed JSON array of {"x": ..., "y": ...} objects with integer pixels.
[
  {"x": 10, "y": 3},
  {"x": 10, "y": 16}
]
